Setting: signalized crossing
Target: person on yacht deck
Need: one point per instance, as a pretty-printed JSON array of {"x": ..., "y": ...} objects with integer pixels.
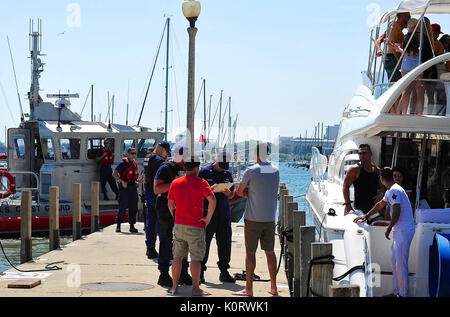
[
  {"x": 364, "y": 178},
  {"x": 414, "y": 92},
  {"x": 402, "y": 225},
  {"x": 395, "y": 38}
]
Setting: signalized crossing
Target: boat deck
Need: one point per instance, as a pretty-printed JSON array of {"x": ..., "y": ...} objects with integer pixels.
[{"x": 110, "y": 257}]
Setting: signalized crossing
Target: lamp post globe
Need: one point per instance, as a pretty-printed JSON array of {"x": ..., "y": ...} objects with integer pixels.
[{"x": 191, "y": 10}]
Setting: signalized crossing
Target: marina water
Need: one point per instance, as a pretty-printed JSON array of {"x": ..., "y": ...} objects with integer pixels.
[{"x": 297, "y": 181}]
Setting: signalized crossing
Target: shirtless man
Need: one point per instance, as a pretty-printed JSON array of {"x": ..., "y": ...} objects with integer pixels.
[
  {"x": 365, "y": 179},
  {"x": 395, "y": 40}
]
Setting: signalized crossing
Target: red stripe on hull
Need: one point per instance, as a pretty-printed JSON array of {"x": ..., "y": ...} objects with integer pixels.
[{"x": 65, "y": 222}]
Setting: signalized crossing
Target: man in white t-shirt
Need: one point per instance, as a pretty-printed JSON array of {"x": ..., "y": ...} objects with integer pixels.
[{"x": 402, "y": 225}]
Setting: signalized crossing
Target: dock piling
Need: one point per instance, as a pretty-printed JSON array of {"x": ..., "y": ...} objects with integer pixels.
[
  {"x": 95, "y": 191},
  {"x": 54, "y": 218},
  {"x": 299, "y": 219},
  {"x": 25, "y": 227},
  {"x": 344, "y": 290},
  {"x": 76, "y": 224},
  {"x": 291, "y": 207},
  {"x": 322, "y": 272},
  {"x": 307, "y": 237}
]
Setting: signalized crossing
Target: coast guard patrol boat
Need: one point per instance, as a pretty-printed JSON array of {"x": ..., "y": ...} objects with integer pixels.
[
  {"x": 420, "y": 144},
  {"x": 55, "y": 147}
]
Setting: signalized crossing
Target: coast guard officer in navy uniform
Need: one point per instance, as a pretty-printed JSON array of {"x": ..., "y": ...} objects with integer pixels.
[
  {"x": 152, "y": 162},
  {"x": 127, "y": 174},
  {"x": 220, "y": 224},
  {"x": 168, "y": 172}
]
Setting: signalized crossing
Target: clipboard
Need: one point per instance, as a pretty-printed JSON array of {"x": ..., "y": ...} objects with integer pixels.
[{"x": 221, "y": 187}]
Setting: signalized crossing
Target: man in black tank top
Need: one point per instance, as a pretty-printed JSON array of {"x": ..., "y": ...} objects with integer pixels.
[{"x": 365, "y": 179}]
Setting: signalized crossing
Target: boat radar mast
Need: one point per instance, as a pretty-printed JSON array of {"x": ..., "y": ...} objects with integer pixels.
[
  {"x": 37, "y": 67},
  {"x": 40, "y": 110}
]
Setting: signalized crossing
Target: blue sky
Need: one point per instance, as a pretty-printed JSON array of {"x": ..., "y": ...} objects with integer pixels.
[{"x": 286, "y": 64}]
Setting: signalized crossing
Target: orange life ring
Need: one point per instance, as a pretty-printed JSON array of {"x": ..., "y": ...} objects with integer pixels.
[{"x": 11, "y": 190}]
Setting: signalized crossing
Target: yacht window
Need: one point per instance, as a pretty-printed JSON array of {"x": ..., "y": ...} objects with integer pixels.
[
  {"x": 435, "y": 185},
  {"x": 19, "y": 146},
  {"x": 48, "y": 151},
  {"x": 127, "y": 144},
  {"x": 70, "y": 149},
  {"x": 143, "y": 146}
]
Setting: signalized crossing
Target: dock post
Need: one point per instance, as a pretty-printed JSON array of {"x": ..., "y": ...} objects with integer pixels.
[
  {"x": 321, "y": 274},
  {"x": 307, "y": 237},
  {"x": 54, "y": 218},
  {"x": 287, "y": 199},
  {"x": 344, "y": 290},
  {"x": 299, "y": 219},
  {"x": 291, "y": 207},
  {"x": 76, "y": 224},
  {"x": 95, "y": 190},
  {"x": 25, "y": 227},
  {"x": 283, "y": 192}
]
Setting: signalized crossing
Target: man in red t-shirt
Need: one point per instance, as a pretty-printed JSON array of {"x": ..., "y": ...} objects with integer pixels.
[{"x": 186, "y": 195}]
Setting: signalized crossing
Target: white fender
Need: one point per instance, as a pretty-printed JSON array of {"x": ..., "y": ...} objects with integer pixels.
[{"x": 354, "y": 251}]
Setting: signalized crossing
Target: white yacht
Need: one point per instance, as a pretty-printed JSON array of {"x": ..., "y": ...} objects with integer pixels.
[{"x": 419, "y": 143}]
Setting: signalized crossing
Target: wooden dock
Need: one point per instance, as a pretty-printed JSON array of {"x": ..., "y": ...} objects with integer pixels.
[{"x": 110, "y": 264}]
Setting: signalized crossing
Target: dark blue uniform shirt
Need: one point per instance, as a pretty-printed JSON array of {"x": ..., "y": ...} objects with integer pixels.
[{"x": 214, "y": 177}]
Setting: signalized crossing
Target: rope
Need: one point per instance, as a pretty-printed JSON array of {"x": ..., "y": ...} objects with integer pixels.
[
  {"x": 327, "y": 260},
  {"x": 317, "y": 261},
  {"x": 49, "y": 267},
  {"x": 355, "y": 268}
]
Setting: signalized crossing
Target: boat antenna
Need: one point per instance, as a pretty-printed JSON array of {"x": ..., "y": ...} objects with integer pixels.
[
  {"x": 15, "y": 79},
  {"x": 153, "y": 71}
]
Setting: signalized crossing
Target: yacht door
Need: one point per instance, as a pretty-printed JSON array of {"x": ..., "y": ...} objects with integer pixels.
[{"x": 19, "y": 155}]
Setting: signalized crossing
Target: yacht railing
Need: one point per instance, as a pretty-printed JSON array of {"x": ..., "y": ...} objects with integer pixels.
[{"x": 434, "y": 93}]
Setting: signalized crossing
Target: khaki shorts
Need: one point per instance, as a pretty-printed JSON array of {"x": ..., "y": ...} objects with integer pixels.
[
  {"x": 259, "y": 231},
  {"x": 188, "y": 239}
]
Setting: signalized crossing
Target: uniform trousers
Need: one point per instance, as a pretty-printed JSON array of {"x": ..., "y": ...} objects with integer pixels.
[
  {"x": 128, "y": 199},
  {"x": 220, "y": 225}
]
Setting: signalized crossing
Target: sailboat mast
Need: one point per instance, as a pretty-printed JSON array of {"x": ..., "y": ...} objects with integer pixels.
[
  {"x": 92, "y": 103},
  {"x": 204, "y": 109},
  {"x": 128, "y": 103},
  {"x": 229, "y": 122},
  {"x": 220, "y": 118},
  {"x": 167, "y": 78}
]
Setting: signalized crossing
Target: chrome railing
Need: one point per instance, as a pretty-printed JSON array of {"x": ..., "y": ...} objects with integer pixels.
[{"x": 433, "y": 92}]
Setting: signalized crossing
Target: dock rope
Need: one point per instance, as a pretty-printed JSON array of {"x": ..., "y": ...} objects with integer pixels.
[
  {"x": 49, "y": 267},
  {"x": 324, "y": 260}
]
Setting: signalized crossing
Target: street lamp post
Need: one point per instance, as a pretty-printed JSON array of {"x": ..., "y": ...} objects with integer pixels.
[{"x": 191, "y": 10}]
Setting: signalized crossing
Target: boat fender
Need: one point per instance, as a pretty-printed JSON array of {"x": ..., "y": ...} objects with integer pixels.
[
  {"x": 11, "y": 189},
  {"x": 439, "y": 266}
]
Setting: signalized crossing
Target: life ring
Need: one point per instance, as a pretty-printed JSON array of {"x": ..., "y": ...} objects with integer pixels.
[{"x": 11, "y": 190}]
